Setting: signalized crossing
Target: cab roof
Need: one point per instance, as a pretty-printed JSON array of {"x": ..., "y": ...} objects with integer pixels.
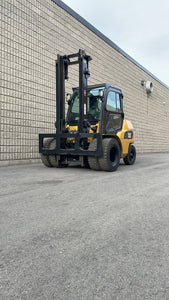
[{"x": 105, "y": 85}]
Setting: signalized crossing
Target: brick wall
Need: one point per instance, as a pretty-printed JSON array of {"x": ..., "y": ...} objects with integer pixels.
[{"x": 32, "y": 33}]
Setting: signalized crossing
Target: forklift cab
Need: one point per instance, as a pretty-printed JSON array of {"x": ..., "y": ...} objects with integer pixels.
[
  {"x": 104, "y": 105},
  {"x": 93, "y": 106}
]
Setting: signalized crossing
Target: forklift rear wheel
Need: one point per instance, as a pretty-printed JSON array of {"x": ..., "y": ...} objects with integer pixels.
[
  {"x": 131, "y": 156},
  {"x": 111, "y": 155},
  {"x": 44, "y": 157},
  {"x": 93, "y": 161}
]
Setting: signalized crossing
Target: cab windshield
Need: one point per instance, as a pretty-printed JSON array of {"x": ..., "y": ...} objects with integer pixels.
[{"x": 94, "y": 103}]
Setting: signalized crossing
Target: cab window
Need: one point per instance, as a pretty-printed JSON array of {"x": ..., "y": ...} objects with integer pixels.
[
  {"x": 118, "y": 102},
  {"x": 113, "y": 102}
]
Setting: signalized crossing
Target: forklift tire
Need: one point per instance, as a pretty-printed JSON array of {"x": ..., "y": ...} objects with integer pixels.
[
  {"x": 86, "y": 162},
  {"x": 93, "y": 161},
  {"x": 131, "y": 156},
  {"x": 44, "y": 157},
  {"x": 53, "y": 158},
  {"x": 111, "y": 155}
]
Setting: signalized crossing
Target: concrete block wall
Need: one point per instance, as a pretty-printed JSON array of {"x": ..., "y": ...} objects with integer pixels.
[{"x": 32, "y": 33}]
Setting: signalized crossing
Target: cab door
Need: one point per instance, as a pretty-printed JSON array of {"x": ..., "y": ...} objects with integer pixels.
[{"x": 113, "y": 115}]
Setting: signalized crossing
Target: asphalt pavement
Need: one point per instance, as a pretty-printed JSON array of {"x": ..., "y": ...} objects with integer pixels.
[{"x": 78, "y": 234}]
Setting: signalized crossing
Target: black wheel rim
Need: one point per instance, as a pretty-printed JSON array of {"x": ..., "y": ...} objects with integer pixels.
[{"x": 132, "y": 155}]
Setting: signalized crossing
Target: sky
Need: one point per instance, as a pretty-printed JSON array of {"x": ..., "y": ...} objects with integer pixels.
[{"x": 140, "y": 28}]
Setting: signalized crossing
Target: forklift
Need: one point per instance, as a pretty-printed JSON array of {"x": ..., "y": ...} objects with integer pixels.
[{"x": 94, "y": 131}]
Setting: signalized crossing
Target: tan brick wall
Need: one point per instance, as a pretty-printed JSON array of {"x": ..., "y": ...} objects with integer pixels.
[{"x": 32, "y": 33}]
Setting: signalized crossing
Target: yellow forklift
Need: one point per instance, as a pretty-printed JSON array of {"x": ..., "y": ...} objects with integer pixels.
[{"x": 94, "y": 131}]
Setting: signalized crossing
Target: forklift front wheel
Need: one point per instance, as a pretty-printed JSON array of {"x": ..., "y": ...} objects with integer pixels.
[
  {"x": 93, "y": 161},
  {"x": 53, "y": 159},
  {"x": 110, "y": 159},
  {"x": 44, "y": 157}
]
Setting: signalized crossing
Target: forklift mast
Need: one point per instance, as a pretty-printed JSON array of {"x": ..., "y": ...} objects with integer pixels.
[
  {"x": 62, "y": 64},
  {"x": 62, "y": 135}
]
